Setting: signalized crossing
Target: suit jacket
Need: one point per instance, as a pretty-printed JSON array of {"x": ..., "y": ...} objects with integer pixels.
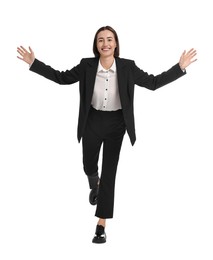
[{"x": 128, "y": 75}]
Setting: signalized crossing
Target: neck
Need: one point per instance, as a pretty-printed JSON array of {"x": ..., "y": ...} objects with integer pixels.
[{"x": 107, "y": 62}]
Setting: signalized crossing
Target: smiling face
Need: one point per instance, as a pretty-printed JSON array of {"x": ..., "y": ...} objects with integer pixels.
[{"x": 106, "y": 43}]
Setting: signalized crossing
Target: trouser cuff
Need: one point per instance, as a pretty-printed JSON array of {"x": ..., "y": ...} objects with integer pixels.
[{"x": 93, "y": 181}]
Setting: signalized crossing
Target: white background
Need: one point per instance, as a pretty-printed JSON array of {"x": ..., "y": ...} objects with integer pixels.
[{"x": 163, "y": 200}]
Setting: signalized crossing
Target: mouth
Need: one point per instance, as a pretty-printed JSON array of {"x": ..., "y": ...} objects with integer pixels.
[{"x": 105, "y": 49}]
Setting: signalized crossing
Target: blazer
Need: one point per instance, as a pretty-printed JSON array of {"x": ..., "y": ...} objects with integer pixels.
[{"x": 128, "y": 75}]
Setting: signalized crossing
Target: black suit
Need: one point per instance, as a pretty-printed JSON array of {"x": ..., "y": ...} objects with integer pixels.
[
  {"x": 107, "y": 128},
  {"x": 128, "y": 75}
]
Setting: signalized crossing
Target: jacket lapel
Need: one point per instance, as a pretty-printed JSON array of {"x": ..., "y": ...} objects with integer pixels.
[
  {"x": 90, "y": 78},
  {"x": 122, "y": 81}
]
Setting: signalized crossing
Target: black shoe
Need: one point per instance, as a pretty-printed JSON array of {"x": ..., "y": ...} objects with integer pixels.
[
  {"x": 93, "y": 195},
  {"x": 100, "y": 235}
]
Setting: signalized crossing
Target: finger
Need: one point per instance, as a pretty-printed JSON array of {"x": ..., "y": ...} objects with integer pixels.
[
  {"x": 31, "y": 51},
  {"x": 191, "y": 51},
  {"x": 192, "y": 55},
  {"x": 19, "y": 49},
  {"x": 20, "y": 52},
  {"x": 193, "y": 61},
  {"x": 23, "y": 49},
  {"x": 19, "y": 58}
]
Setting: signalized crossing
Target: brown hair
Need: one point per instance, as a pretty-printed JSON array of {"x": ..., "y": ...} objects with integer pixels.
[{"x": 117, "y": 49}]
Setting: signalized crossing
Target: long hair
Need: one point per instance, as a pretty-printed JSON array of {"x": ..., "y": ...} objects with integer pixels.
[{"x": 117, "y": 49}]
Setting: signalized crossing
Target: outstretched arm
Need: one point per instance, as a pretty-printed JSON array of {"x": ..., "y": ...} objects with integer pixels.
[
  {"x": 60, "y": 77},
  {"x": 187, "y": 58},
  {"x": 27, "y": 56},
  {"x": 152, "y": 82}
]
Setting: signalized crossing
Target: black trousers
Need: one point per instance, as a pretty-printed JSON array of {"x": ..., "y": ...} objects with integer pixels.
[{"x": 107, "y": 129}]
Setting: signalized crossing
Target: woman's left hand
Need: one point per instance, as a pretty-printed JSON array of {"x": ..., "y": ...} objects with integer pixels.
[{"x": 187, "y": 58}]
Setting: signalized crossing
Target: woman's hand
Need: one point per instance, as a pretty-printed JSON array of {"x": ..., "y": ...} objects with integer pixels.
[
  {"x": 27, "y": 56},
  {"x": 187, "y": 58}
]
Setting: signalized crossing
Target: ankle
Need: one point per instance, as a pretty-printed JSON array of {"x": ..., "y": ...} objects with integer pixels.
[{"x": 102, "y": 222}]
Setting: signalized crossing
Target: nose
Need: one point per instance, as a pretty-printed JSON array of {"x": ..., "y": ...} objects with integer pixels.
[{"x": 104, "y": 43}]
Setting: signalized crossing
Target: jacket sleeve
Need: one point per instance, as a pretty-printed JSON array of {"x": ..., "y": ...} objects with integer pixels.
[
  {"x": 152, "y": 82},
  {"x": 60, "y": 77}
]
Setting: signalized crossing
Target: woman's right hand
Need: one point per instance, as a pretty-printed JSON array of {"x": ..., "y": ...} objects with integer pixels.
[{"x": 25, "y": 55}]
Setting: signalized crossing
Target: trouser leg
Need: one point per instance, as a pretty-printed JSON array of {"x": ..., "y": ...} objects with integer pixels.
[
  {"x": 91, "y": 148},
  {"x": 111, "y": 152},
  {"x": 114, "y": 130},
  {"x": 91, "y": 144}
]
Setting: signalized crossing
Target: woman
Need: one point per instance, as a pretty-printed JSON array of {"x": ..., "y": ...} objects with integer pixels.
[{"x": 106, "y": 85}]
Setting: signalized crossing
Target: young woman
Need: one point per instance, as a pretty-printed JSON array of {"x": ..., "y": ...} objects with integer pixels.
[{"x": 106, "y": 84}]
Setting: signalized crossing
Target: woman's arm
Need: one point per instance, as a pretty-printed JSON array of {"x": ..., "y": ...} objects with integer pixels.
[
  {"x": 152, "y": 82},
  {"x": 60, "y": 77}
]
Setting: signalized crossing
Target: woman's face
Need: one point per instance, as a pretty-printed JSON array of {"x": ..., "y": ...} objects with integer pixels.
[{"x": 106, "y": 43}]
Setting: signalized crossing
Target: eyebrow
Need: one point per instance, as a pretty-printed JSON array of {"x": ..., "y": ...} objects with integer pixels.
[{"x": 110, "y": 37}]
